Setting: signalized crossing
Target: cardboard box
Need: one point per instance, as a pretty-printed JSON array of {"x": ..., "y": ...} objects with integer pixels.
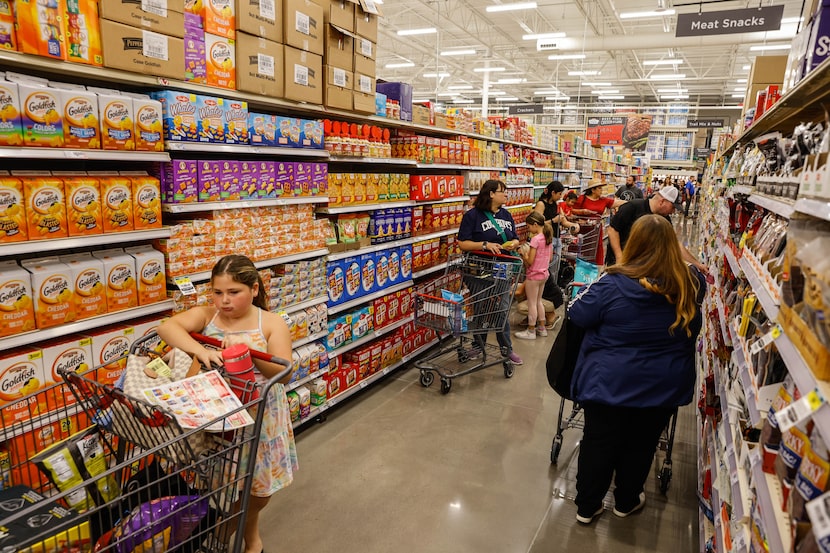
[
  {"x": 303, "y": 25},
  {"x": 146, "y": 200},
  {"x": 83, "y": 205},
  {"x": 366, "y": 23},
  {"x": 119, "y": 268},
  {"x": 235, "y": 120},
  {"x": 420, "y": 115},
  {"x": 363, "y": 103},
  {"x": 339, "y": 50},
  {"x": 169, "y": 21},
  {"x": 339, "y": 85},
  {"x": 11, "y": 134},
  {"x": 72, "y": 354},
  {"x": 124, "y": 48},
  {"x": 340, "y": 13},
  {"x": 81, "y": 128},
  {"x": 89, "y": 288},
  {"x": 7, "y": 36},
  {"x": 260, "y": 18},
  {"x": 365, "y": 53},
  {"x": 116, "y": 199},
  {"x": 221, "y": 61},
  {"x": 12, "y": 210},
  {"x": 42, "y": 125},
  {"x": 45, "y": 205},
  {"x": 83, "y": 38},
  {"x": 259, "y": 65},
  {"x": 21, "y": 374},
  {"x": 195, "y": 58},
  {"x": 148, "y": 124},
  {"x": 303, "y": 76},
  {"x": 365, "y": 84}
]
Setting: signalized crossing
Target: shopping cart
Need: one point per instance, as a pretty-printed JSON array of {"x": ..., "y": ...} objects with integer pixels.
[
  {"x": 582, "y": 245},
  {"x": 477, "y": 300},
  {"x": 87, "y": 466}
]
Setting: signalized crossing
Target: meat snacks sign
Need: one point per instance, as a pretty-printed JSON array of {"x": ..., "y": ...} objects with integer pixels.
[{"x": 726, "y": 22}]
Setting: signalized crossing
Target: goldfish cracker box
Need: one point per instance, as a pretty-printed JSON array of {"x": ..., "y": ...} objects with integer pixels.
[
  {"x": 150, "y": 278},
  {"x": 17, "y": 312},
  {"x": 83, "y": 203},
  {"x": 40, "y": 28},
  {"x": 13, "y": 226},
  {"x": 45, "y": 205},
  {"x": 148, "y": 125},
  {"x": 80, "y": 116},
  {"x": 11, "y": 130},
  {"x": 117, "y": 127},
  {"x": 53, "y": 291},
  {"x": 109, "y": 346},
  {"x": 116, "y": 200},
  {"x": 220, "y": 18},
  {"x": 71, "y": 354},
  {"x": 88, "y": 284},
  {"x": 178, "y": 111},
  {"x": 146, "y": 201},
  {"x": 21, "y": 374},
  {"x": 221, "y": 60},
  {"x": 119, "y": 268},
  {"x": 41, "y": 111}
]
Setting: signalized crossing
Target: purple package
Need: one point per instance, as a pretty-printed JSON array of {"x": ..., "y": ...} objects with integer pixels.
[
  {"x": 267, "y": 186},
  {"x": 195, "y": 68},
  {"x": 178, "y": 181},
  {"x": 302, "y": 178},
  {"x": 208, "y": 178},
  {"x": 819, "y": 45},
  {"x": 284, "y": 178},
  {"x": 249, "y": 180},
  {"x": 319, "y": 178},
  {"x": 229, "y": 180}
]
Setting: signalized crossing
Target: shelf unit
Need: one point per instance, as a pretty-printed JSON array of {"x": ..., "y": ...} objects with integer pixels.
[
  {"x": 294, "y": 307},
  {"x": 205, "y": 275},
  {"x": 75, "y": 154},
  {"x": 196, "y": 207},
  {"x": 353, "y": 208},
  {"x": 374, "y": 161},
  {"x": 815, "y": 208},
  {"x": 56, "y": 244},
  {"x": 776, "y": 205},
  {"x": 244, "y": 149},
  {"x": 310, "y": 338}
]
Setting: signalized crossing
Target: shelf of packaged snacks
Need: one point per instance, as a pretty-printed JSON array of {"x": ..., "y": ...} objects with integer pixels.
[
  {"x": 520, "y": 166},
  {"x": 205, "y": 275},
  {"x": 431, "y": 235},
  {"x": 482, "y": 168},
  {"x": 525, "y": 185},
  {"x": 761, "y": 292},
  {"x": 730, "y": 258},
  {"x": 373, "y": 160},
  {"x": 455, "y": 167},
  {"x": 297, "y": 383},
  {"x": 539, "y": 186},
  {"x": 430, "y": 270},
  {"x": 308, "y": 339},
  {"x": 369, "y": 297},
  {"x": 294, "y": 307},
  {"x": 518, "y": 206},
  {"x": 353, "y": 208},
  {"x": 746, "y": 382},
  {"x": 816, "y": 208},
  {"x": 742, "y": 189},
  {"x": 237, "y": 149},
  {"x": 463, "y": 198},
  {"x": 39, "y": 246},
  {"x": 779, "y": 206},
  {"x": 91, "y": 155},
  {"x": 371, "y": 336},
  {"x": 195, "y": 207},
  {"x": 363, "y": 384},
  {"x": 35, "y": 336},
  {"x": 768, "y": 491},
  {"x": 370, "y": 249}
]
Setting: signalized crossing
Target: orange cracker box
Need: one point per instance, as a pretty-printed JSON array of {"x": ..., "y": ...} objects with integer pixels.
[
  {"x": 41, "y": 115},
  {"x": 117, "y": 128},
  {"x": 21, "y": 374},
  {"x": 17, "y": 312},
  {"x": 40, "y": 28},
  {"x": 146, "y": 326},
  {"x": 116, "y": 200},
  {"x": 7, "y": 38},
  {"x": 109, "y": 347},
  {"x": 45, "y": 205},
  {"x": 146, "y": 200},
  {"x": 12, "y": 210},
  {"x": 83, "y": 203},
  {"x": 119, "y": 268},
  {"x": 221, "y": 61},
  {"x": 81, "y": 128},
  {"x": 74, "y": 354},
  {"x": 148, "y": 123},
  {"x": 83, "y": 36},
  {"x": 53, "y": 290},
  {"x": 11, "y": 131},
  {"x": 220, "y": 18},
  {"x": 149, "y": 268},
  {"x": 88, "y": 283}
]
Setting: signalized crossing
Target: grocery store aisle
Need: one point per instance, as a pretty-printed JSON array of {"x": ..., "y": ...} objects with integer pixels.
[{"x": 403, "y": 468}]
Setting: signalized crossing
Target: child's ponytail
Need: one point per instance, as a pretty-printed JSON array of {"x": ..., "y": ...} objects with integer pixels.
[{"x": 547, "y": 231}]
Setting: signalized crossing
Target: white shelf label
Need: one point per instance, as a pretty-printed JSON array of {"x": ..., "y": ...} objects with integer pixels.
[
  {"x": 819, "y": 511},
  {"x": 265, "y": 64},
  {"x": 366, "y": 47},
  {"x": 340, "y": 78},
  {"x": 158, "y": 7},
  {"x": 300, "y": 74},
  {"x": 185, "y": 285},
  {"x": 765, "y": 340},
  {"x": 154, "y": 45},
  {"x": 366, "y": 84},
  {"x": 268, "y": 10},
  {"x": 301, "y": 23},
  {"x": 798, "y": 411}
]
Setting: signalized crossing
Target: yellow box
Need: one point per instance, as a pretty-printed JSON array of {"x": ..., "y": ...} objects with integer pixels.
[
  {"x": 53, "y": 291},
  {"x": 220, "y": 18},
  {"x": 146, "y": 200},
  {"x": 13, "y": 227},
  {"x": 116, "y": 113},
  {"x": 17, "y": 313},
  {"x": 41, "y": 112},
  {"x": 83, "y": 34},
  {"x": 221, "y": 61},
  {"x": 116, "y": 200},
  {"x": 108, "y": 348},
  {"x": 83, "y": 205},
  {"x": 149, "y": 265},
  {"x": 89, "y": 287},
  {"x": 45, "y": 205},
  {"x": 21, "y": 374},
  {"x": 73, "y": 354},
  {"x": 119, "y": 268},
  {"x": 40, "y": 28}
]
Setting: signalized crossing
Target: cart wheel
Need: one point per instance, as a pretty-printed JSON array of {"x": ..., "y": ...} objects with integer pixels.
[
  {"x": 446, "y": 384},
  {"x": 555, "y": 447},
  {"x": 426, "y": 379},
  {"x": 665, "y": 479},
  {"x": 462, "y": 355},
  {"x": 508, "y": 369}
]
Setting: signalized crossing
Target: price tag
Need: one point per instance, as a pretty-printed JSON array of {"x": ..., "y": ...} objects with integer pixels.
[
  {"x": 340, "y": 78},
  {"x": 158, "y": 7},
  {"x": 301, "y": 23},
  {"x": 365, "y": 84},
  {"x": 819, "y": 511},
  {"x": 763, "y": 341},
  {"x": 798, "y": 411},
  {"x": 268, "y": 10},
  {"x": 366, "y": 47},
  {"x": 154, "y": 45},
  {"x": 363, "y": 384},
  {"x": 185, "y": 285},
  {"x": 75, "y": 155},
  {"x": 265, "y": 65},
  {"x": 369, "y": 6},
  {"x": 300, "y": 74}
]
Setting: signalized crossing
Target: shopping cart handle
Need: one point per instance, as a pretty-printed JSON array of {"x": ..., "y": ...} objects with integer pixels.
[
  {"x": 491, "y": 254},
  {"x": 262, "y": 356}
]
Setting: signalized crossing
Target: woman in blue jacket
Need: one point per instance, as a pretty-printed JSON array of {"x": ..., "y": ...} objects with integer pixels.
[{"x": 636, "y": 364}]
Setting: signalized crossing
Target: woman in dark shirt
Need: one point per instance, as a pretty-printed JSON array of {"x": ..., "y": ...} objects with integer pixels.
[{"x": 548, "y": 207}]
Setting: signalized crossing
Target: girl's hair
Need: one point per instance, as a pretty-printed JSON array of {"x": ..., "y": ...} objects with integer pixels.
[
  {"x": 241, "y": 270},
  {"x": 571, "y": 196},
  {"x": 554, "y": 187},
  {"x": 652, "y": 256},
  {"x": 538, "y": 219},
  {"x": 483, "y": 200}
]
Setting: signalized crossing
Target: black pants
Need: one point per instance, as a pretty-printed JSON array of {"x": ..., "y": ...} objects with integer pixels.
[{"x": 621, "y": 441}]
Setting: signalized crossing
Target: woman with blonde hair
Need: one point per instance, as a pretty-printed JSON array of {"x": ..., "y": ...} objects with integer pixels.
[{"x": 636, "y": 364}]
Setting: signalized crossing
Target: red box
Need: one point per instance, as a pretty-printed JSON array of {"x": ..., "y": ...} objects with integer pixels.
[
  {"x": 417, "y": 219},
  {"x": 332, "y": 379},
  {"x": 393, "y": 308},
  {"x": 377, "y": 352},
  {"x": 422, "y": 187},
  {"x": 349, "y": 375},
  {"x": 407, "y": 344},
  {"x": 407, "y": 300},
  {"x": 381, "y": 318},
  {"x": 361, "y": 358},
  {"x": 418, "y": 341}
]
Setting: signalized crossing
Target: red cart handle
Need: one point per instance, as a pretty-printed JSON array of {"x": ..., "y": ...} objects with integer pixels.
[{"x": 254, "y": 353}]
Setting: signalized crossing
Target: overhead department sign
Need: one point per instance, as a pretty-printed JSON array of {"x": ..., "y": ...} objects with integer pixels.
[{"x": 726, "y": 22}]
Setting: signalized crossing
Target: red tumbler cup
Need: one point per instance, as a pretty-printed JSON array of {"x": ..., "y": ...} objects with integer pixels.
[{"x": 239, "y": 368}]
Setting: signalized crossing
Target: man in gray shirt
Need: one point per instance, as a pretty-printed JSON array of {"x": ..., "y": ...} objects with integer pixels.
[{"x": 629, "y": 191}]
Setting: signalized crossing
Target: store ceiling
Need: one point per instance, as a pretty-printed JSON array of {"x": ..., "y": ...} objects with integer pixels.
[{"x": 617, "y": 48}]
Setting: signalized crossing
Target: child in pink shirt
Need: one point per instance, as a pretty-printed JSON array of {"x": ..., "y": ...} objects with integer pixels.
[{"x": 536, "y": 254}]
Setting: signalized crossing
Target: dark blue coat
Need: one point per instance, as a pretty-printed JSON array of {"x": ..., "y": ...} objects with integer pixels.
[{"x": 628, "y": 357}]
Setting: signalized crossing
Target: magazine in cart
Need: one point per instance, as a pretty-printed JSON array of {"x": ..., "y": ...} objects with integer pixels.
[{"x": 200, "y": 399}]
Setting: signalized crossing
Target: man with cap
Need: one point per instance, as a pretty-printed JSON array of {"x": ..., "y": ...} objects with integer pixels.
[
  {"x": 662, "y": 203},
  {"x": 593, "y": 204}
]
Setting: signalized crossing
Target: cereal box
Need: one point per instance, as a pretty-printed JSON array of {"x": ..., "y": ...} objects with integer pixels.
[
  {"x": 7, "y": 38},
  {"x": 89, "y": 291},
  {"x": 146, "y": 200},
  {"x": 117, "y": 117},
  {"x": 80, "y": 116},
  {"x": 117, "y": 201},
  {"x": 285, "y": 178},
  {"x": 179, "y": 116},
  {"x": 41, "y": 112},
  {"x": 311, "y": 135},
  {"x": 68, "y": 354},
  {"x": 149, "y": 265},
  {"x": 236, "y": 121},
  {"x": 119, "y": 268},
  {"x": 220, "y": 18},
  {"x": 229, "y": 183},
  {"x": 210, "y": 119},
  {"x": 267, "y": 187},
  {"x": 40, "y": 28},
  {"x": 52, "y": 287},
  {"x": 149, "y": 125},
  {"x": 109, "y": 347},
  {"x": 195, "y": 60},
  {"x": 83, "y": 36},
  {"x": 11, "y": 130},
  {"x": 208, "y": 180},
  {"x": 21, "y": 374},
  {"x": 13, "y": 226},
  {"x": 83, "y": 204},
  {"x": 260, "y": 129},
  {"x": 249, "y": 179},
  {"x": 45, "y": 205},
  {"x": 17, "y": 312},
  {"x": 179, "y": 181},
  {"x": 287, "y": 132},
  {"x": 221, "y": 60}
]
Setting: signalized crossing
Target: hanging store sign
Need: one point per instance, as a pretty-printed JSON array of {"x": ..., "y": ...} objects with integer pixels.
[
  {"x": 704, "y": 123},
  {"x": 630, "y": 131},
  {"x": 527, "y": 109},
  {"x": 726, "y": 22}
]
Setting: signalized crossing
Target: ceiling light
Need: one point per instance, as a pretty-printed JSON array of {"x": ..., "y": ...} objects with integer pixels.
[
  {"x": 402, "y": 64},
  {"x": 662, "y": 62},
  {"x": 605, "y": 91},
  {"x": 567, "y": 57},
  {"x": 460, "y": 87},
  {"x": 668, "y": 77},
  {"x": 677, "y": 97},
  {"x": 511, "y": 81},
  {"x": 596, "y": 84},
  {"x": 582, "y": 73},
  {"x": 737, "y": 95},
  {"x": 511, "y": 7},
  {"x": 764, "y": 47},
  {"x": 746, "y": 67},
  {"x": 506, "y": 99},
  {"x": 741, "y": 81},
  {"x": 670, "y": 90},
  {"x": 739, "y": 89},
  {"x": 450, "y": 94},
  {"x": 543, "y": 36},
  {"x": 611, "y": 97},
  {"x": 792, "y": 20},
  {"x": 655, "y": 13},
  {"x": 424, "y": 31},
  {"x": 487, "y": 69},
  {"x": 463, "y": 101},
  {"x": 468, "y": 52},
  {"x": 440, "y": 75},
  {"x": 557, "y": 98}
]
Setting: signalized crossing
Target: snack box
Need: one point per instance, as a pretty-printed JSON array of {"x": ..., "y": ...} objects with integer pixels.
[
  {"x": 319, "y": 178},
  {"x": 249, "y": 179},
  {"x": 149, "y": 123},
  {"x": 149, "y": 267},
  {"x": 116, "y": 200},
  {"x": 116, "y": 112},
  {"x": 74, "y": 354},
  {"x": 53, "y": 290},
  {"x": 405, "y": 253},
  {"x": 381, "y": 269},
  {"x": 302, "y": 178},
  {"x": 229, "y": 183},
  {"x": 7, "y": 35},
  {"x": 21, "y": 374},
  {"x": 379, "y": 310},
  {"x": 83, "y": 36},
  {"x": 83, "y": 203},
  {"x": 119, "y": 268},
  {"x": 45, "y": 205},
  {"x": 88, "y": 285},
  {"x": 13, "y": 220},
  {"x": 179, "y": 181},
  {"x": 362, "y": 322},
  {"x": 146, "y": 200},
  {"x": 179, "y": 116},
  {"x": 339, "y": 331},
  {"x": 11, "y": 129},
  {"x": 367, "y": 273},
  {"x": 41, "y": 113},
  {"x": 394, "y": 267},
  {"x": 311, "y": 134},
  {"x": 209, "y": 172},
  {"x": 284, "y": 178},
  {"x": 109, "y": 346},
  {"x": 39, "y": 28},
  {"x": 236, "y": 121},
  {"x": 195, "y": 57},
  {"x": 80, "y": 116},
  {"x": 267, "y": 187},
  {"x": 352, "y": 275},
  {"x": 287, "y": 132},
  {"x": 261, "y": 129},
  {"x": 220, "y": 18},
  {"x": 221, "y": 59},
  {"x": 17, "y": 312},
  {"x": 336, "y": 282},
  {"x": 210, "y": 119}
]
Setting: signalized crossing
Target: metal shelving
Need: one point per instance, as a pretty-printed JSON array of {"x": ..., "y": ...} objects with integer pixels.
[
  {"x": 353, "y": 208},
  {"x": 205, "y": 275},
  {"x": 368, "y": 297},
  {"x": 374, "y": 160},
  {"x": 37, "y": 246},
  {"x": 371, "y": 336},
  {"x": 816, "y": 208},
  {"x": 77, "y": 154},
  {"x": 370, "y": 249},
  {"x": 245, "y": 149},
  {"x": 776, "y": 205},
  {"x": 195, "y": 207}
]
